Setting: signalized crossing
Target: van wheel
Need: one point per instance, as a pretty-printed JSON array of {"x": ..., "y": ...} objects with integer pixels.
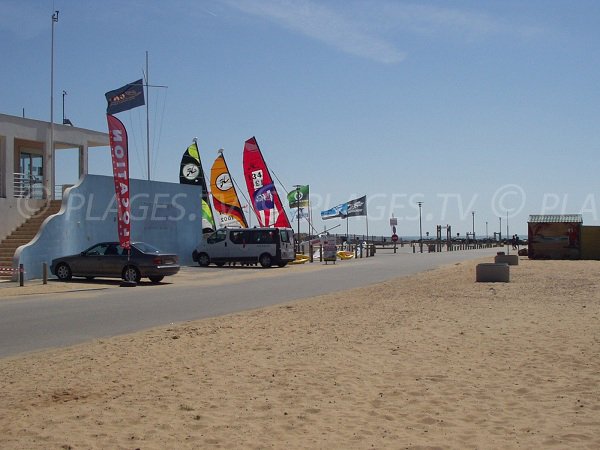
[
  {"x": 282, "y": 263},
  {"x": 203, "y": 260},
  {"x": 265, "y": 260},
  {"x": 220, "y": 264}
]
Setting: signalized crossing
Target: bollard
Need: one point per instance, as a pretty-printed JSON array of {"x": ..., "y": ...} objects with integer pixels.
[
  {"x": 320, "y": 252},
  {"x": 44, "y": 273},
  {"x": 21, "y": 275},
  {"x": 311, "y": 256},
  {"x": 394, "y": 247},
  {"x": 414, "y": 251}
]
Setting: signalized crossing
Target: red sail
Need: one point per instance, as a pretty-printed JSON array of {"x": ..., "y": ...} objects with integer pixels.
[
  {"x": 265, "y": 199},
  {"x": 120, "y": 162}
]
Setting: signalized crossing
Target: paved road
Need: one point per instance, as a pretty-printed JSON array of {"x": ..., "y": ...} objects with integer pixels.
[{"x": 31, "y": 323}]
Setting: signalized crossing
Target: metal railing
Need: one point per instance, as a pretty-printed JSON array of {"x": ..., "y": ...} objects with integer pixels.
[{"x": 27, "y": 186}]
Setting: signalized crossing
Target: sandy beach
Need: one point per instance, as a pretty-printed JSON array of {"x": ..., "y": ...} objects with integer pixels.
[{"x": 429, "y": 361}]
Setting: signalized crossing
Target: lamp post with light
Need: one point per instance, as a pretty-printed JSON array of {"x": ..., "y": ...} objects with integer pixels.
[{"x": 420, "y": 228}]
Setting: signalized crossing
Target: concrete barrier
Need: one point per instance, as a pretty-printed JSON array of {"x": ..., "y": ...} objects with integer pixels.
[
  {"x": 492, "y": 272},
  {"x": 511, "y": 260}
]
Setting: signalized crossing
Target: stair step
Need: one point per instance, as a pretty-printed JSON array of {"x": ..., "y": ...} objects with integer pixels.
[
  {"x": 29, "y": 236},
  {"x": 27, "y": 229},
  {"x": 25, "y": 233},
  {"x": 11, "y": 241}
]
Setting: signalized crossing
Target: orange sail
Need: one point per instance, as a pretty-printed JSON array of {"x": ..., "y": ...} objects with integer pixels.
[{"x": 224, "y": 195}]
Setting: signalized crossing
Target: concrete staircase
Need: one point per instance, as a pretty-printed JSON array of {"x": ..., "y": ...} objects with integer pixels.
[{"x": 22, "y": 235}]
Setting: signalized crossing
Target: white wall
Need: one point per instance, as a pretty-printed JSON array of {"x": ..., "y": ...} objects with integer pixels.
[{"x": 166, "y": 215}]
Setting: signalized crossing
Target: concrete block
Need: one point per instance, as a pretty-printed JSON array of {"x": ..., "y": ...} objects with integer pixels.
[
  {"x": 492, "y": 272},
  {"x": 511, "y": 260}
]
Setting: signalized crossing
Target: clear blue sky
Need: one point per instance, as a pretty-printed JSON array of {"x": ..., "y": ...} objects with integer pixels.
[{"x": 485, "y": 106}]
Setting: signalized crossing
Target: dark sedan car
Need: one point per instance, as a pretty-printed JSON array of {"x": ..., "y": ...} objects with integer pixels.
[{"x": 109, "y": 259}]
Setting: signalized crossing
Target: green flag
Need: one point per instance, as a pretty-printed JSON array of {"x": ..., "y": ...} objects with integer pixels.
[{"x": 298, "y": 198}]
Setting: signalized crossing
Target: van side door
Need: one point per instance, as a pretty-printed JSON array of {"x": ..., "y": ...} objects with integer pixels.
[{"x": 240, "y": 249}]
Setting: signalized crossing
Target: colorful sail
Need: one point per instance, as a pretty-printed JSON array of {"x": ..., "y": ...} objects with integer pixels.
[
  {"x": 191, "y": 173},
  {"x": 265, "y": 199},
  {"x": 224, "y": 195}
]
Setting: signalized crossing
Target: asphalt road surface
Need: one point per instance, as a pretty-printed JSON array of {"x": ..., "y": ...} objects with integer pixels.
[{"x": 36, "y": 322}]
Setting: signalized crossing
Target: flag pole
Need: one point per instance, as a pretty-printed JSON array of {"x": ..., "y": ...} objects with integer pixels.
[{"x": 297, "y": 186}]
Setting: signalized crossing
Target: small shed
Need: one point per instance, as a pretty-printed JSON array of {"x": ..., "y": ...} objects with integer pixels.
[{"x": 554, "y": 236}]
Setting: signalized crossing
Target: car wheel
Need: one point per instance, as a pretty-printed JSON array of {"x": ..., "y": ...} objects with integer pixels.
[
  {"x": 89, "y": 278},
  {"x": 63, "y": 272},
  {"x": 265, "y": 260},
  {"x": 282, "y": 263},
  {"x": 203, "y": 260},
  {"x": 130, "y": 273},
  {"x": 220, "y": 264},
  {"x": 156, "y": 279}
]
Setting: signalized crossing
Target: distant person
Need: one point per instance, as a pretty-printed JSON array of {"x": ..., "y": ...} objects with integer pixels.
[
  {"x": 514, "y": 242},
  {"x": 517, "y": 241}
]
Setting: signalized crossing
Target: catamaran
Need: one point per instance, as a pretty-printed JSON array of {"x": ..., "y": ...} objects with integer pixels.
[
  {"x": 224, "y": 195},
  {"x": 191, "y": 173},
  {"x": 265, "y": 199}
]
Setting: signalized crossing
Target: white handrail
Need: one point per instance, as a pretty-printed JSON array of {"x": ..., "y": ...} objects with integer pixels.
[{"x": 27, "y": 186}]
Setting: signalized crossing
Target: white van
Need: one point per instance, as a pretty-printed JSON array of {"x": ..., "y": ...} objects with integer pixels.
[{"x": 266, "y": 246}]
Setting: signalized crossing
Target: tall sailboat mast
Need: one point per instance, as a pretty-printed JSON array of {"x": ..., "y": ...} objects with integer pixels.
[{"x": 147, "y": 116}]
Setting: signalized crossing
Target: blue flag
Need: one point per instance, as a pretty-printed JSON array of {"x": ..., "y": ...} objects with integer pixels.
[{"x": 125, "y": 98}]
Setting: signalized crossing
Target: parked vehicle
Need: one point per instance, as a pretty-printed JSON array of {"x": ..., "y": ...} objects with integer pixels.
[
  {"x": 110, "y": 260},
  {"x": 266, "y": 246}
]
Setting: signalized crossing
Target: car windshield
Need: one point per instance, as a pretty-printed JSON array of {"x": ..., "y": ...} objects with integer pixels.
[{"x": 145, "y": 248}]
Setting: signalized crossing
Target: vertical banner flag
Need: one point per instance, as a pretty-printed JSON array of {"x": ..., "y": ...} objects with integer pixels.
[
  {"x": 120, "y": 162},
  {"x": 298, "y": 198},
  {"x": 125, "y": 98}
]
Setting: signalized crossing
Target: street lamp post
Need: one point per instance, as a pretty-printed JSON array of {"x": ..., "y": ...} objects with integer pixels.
[
  {"x": 473, "y": 212},
  {"x": 49, "y": 182},
  {"x": 420, "y": 228},
  {"x": 500, "y": 230}
]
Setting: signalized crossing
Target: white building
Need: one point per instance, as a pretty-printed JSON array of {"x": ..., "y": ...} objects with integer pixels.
[{"x": 28, "y": 164}]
